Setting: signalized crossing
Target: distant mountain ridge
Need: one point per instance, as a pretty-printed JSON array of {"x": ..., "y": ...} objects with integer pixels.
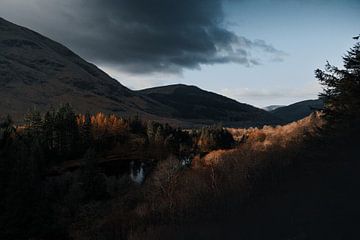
[
  {"x": 299, "y": 110},
  {"x": 272, "y": 107},
  {"x": 36, "y": 71},
  {"x": 191, "y": 102}
]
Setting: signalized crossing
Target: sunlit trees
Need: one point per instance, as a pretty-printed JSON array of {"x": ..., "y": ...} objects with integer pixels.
[{"x": 102, "y": 129}]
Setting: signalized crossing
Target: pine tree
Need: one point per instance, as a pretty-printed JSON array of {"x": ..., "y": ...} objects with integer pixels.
[
  {"x": 67, "y": 131},
  {"x": 49, "y": 131},
  {"x": 33, "y": 121},
  {"x": 86, "y": 131},
  {"x": 6, "y": 130},
  {"x": 342, "y": 89}
]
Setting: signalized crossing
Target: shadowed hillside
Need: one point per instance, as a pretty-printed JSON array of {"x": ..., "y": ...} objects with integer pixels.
[
  {"x": 297, "y": 110},
  {"x": 191, "y": 102},
  {"x": 38, "y": 72}
]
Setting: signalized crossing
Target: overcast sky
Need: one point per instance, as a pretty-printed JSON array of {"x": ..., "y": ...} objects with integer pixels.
[{"x": 259, "y": 52}]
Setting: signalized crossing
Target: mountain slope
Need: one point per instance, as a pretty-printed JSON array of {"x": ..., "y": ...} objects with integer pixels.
[
  {"x": 193, "y": 103},
  {"x": 38, "y": 72},
  {"x": 297, "y": 110}
]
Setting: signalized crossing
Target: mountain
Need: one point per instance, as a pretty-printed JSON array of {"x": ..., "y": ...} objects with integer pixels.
[
  {"x": 197, "y": 105},
  {"x": 37, "y": 72},
  {"x": 272, "y": 107},
  {"x": 297, "y": 110}
]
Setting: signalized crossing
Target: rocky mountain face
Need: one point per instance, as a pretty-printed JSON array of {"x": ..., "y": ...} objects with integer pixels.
[{"x": 37, "y": 72}]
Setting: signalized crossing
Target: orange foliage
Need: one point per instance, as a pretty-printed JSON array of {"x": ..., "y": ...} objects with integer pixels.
[
  {"x": 280, "y": 136},
  {"x": 102, "y": 124}
]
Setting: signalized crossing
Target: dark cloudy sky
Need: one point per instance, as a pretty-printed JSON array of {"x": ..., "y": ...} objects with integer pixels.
[{"x": 260, "y": 52}]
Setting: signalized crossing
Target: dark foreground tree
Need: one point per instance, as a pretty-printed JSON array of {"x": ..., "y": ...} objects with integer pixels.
[{"x": 342, "y": 90}]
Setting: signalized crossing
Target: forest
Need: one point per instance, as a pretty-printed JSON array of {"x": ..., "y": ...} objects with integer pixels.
[{"x": 68, "y": 175}]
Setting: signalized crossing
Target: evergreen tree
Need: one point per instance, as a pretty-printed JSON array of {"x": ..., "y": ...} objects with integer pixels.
[
  {"x": 136, "y": 125},
  {"x": 66, "y": 131},
  {"x": 342, "y": 90},
  {"x": 34, "y": 123},
  {"x": 49, "y": 131},
  {"x": 6, "y": 130},
  {"x": 86, "y": 132}
]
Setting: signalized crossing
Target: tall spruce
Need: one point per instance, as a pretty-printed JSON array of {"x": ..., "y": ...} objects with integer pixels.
[{"x": 342, "y": 90}]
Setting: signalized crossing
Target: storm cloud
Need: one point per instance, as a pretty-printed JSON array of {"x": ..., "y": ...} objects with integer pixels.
[{"x": 144, "y": 36}]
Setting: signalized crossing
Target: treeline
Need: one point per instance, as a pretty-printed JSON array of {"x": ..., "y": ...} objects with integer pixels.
[{"x": 63, "y": 135}]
